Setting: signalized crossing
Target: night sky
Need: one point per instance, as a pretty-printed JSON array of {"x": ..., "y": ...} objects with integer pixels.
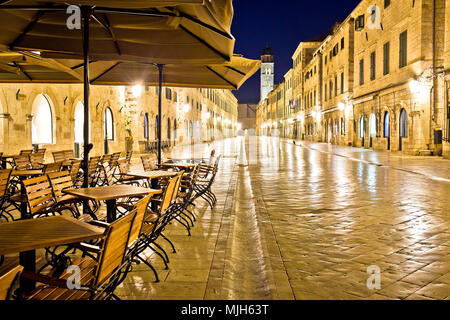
[{"x": 282, "y": 24}]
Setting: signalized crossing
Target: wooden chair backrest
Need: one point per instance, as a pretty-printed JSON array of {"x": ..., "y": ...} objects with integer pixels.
[
  {"x": 168, "y": 194},
  {"x": 39, "y": 193},
  {"x": 106, "y": 158},
  {"x": 42, "y": 150},
  {"x": 74, "y": 169},
  {"x": 114, "y": 247},
  {"x": 69, "y": 154},
  {"x": 93, "y": 165},
  {"x": 4, "y": 180},
  {"x": 114, "y": 158},
  {"x": 22, "y": 162},
  {"x": 141, "y": 207},
  {"x": 59, "y": 181},
  {"x": 109, "y": 173},
  {"x": 58, "y": 156},
  {"x": 36, "y": 158},
  {"x": 148, "y": 162},
  {"x": 179, "y": 176},
  {"x": 26, "y": 152},
  {"x": 53, "y": 167},
  {"x": 7, "y": 280},
  {"x": 128, "y": 156},
  {"x": 124, "y": 166}
]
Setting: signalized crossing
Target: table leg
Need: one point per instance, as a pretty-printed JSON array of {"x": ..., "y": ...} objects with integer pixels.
[
  {"x": 27, "y": 259},
  {"x": 23, "y": 205},
  {"x": 111, "y": 210}
]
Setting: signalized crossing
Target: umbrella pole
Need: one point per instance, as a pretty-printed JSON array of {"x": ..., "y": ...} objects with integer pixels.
[
  {"x": 86, "y": 15},
  {"x": 160, "y": 69}
]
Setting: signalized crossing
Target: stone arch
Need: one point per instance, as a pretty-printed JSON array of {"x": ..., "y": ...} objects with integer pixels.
[{"x": 39, "y": 100}]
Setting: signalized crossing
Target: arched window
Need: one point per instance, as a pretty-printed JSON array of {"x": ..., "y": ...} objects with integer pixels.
[
  {"x": 79, "y": 123},
  {"x": 387, "y": 129},
  {"x": 342, "y": 126},
  {"x": 192, "y": 129},
  {"x": 403, "y": 124},
  {"x": 146, "y": 126},
  {"x": 109, "y": 124},
  {"x": 42, "y": 123},
  {"x": 336, "y": 127},
  {"x": 373, "y": 125},
  {"x": 362, "y": 128}
]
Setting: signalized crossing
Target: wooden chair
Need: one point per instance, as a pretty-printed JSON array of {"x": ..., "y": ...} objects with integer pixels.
[
  {"x": 75, "y": 170},
  {"x": 26, "y": 152},
  {"x": 99, "y": 276},
  {"x": 148, "y": 162},
  {"x": 6, "y": 205},
  {"x": 128, "y": 156},
  {"x": 154, "y": 223},
  {"x": 37, "y": 160},
  {"x": 58, "y": 156},
  {"x": 93, "y": 171},
  {"x": 69, "y": 154},
  {"x": 22, "y": 162},
  {"x": 53, "y": 167},
  {"x": 7, "y": 281},
  {"x": 40, "y": 198},
  {"x": 60, "y": 181}
]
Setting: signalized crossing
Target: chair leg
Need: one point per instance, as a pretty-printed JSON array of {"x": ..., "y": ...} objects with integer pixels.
[
  {"x": 150, "y": 266},
  {"x": 160, "y": 255},
  {"x": 164, "y": 251},
  {"x": 170, "y": 242}
]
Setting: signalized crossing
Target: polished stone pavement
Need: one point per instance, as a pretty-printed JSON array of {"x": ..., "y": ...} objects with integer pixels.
[{"x": 305, "y": 221}]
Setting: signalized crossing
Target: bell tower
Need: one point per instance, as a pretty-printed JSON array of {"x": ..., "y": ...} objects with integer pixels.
[{"x": 267, "y": 72}]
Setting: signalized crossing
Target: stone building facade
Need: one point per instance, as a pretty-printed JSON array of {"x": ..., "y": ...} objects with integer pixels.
[
  {"x": 446, "y": 73},
  {"x": 384, "y": 79},
  {"x": 120, "y": 117}
]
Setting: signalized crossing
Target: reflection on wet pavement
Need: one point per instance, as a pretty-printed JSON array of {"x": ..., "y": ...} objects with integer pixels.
[{"x": 297, "y": 223}]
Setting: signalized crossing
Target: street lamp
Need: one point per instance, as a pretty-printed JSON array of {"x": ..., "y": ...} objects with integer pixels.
[{"x": 136, "y": 90}]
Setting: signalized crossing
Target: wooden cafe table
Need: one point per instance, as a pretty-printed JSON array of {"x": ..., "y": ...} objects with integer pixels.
[
  {"x": 179, "y": 166},
  {"x": 110, "y": 194},
  {"x": 25, "y": 236}
]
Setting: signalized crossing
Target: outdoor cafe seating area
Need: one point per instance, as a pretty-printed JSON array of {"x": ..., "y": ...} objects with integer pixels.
[{"x": 52, "y": 220}]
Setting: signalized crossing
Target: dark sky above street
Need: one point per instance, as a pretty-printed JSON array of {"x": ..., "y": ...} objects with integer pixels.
[{"x": 282, "y": 24}]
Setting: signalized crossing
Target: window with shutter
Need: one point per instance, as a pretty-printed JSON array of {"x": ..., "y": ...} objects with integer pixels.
[
  {"x": 403, "y": 49},
  {"x": 372, "y": 66},
  {"x": 361, "y": 71},
  {"x": 386, "y": 53}
]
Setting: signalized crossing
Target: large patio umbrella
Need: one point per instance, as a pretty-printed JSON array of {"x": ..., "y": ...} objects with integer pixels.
[
  {"x": 182, "y": 31},
  {"x": 27, "y": 67}
]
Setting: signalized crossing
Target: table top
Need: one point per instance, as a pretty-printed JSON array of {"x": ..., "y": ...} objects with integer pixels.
[
  {"x": 31, "y": 234},
  {"x": 155, "y": 174},
  {"x": 22, "y": 173},
  {"x": 110, "y": 192}
]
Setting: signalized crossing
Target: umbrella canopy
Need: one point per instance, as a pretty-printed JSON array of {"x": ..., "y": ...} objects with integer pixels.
[
  {"x": 230, "y": 75},
  {"x": 187, "y": 31},
  {"x": 184, "y": 31},
  {"x": 27, "y": 67}
]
